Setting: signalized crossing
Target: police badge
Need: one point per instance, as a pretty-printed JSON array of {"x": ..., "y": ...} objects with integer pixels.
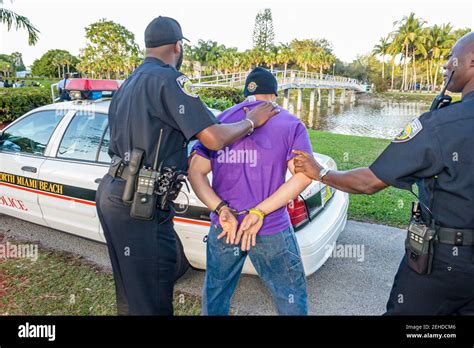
[
  {"x": 186, "y": 86},
  {"x": 409, "y": 132}
]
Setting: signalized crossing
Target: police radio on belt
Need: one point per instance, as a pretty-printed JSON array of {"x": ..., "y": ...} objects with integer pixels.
[{"x": 151, "y": 187}]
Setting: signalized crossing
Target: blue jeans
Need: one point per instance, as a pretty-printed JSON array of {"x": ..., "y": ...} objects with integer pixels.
[{"x": 277, "y": 261}]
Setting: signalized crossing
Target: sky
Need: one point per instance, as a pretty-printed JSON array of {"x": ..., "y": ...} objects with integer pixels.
[{"x": 353, "y": 27}]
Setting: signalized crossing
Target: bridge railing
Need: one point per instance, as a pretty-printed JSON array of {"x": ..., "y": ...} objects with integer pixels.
[
  {"x": 284, "y": 77},
  {"x": 232, "y": 79}
]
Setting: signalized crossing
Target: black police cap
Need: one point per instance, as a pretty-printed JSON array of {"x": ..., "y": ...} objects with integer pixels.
[
  {"x": 260, "y": 81},
  {"x": 163, "y": 31}
]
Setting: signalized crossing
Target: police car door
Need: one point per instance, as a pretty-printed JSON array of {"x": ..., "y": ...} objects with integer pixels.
[
  {"x": 77, "y": 163},
  {"x": 22, "y": 148}
]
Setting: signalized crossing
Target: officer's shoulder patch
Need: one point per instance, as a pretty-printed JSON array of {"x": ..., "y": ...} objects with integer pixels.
[
  {"x": 409, "y": 132},
  {"x": 186, "y": 86}
]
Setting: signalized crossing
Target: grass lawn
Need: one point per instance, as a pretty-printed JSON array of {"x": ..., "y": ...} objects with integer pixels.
[
  {"x": 414, "y": 97},
  {"x": 390, "y": 206},
  {"x": 59, "y": 283}
]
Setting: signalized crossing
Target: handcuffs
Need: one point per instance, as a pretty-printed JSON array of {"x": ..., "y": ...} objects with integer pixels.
[{"x": 237, "y": 213}]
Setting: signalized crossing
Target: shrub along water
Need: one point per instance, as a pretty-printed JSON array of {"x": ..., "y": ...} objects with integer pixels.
[{"x": 220, "y": 98}]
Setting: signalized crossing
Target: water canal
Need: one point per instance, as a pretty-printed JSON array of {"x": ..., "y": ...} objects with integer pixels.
[{"x": 371, "y": 115}]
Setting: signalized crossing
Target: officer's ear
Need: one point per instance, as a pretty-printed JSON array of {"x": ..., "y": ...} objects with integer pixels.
[{"x": 177, "y": 47}]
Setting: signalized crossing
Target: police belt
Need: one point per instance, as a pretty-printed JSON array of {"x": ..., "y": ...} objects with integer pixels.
[{"x": 455, "y": 236}]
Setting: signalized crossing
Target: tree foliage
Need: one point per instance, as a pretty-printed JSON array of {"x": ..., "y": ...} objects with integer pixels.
[
  {"x": 263, "y": 32},
  {"x": 13, "y": 19},
  {"x": 54, "y": 63},
  {"x": 111, "y": 51},
  {"x": 420, "y": 50},
  {"x": 10, "y": 63}
]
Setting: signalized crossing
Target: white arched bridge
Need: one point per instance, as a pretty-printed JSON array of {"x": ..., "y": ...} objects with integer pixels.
[{"x": 293, "y": 79}]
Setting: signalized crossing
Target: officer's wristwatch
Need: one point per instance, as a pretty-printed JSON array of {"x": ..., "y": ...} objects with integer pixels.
[
  {"x": 323, "y": 172},
  {"x": 252, "y": 125}
]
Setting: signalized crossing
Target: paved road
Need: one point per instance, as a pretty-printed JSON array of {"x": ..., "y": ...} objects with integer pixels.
[{"x": 348, "y": 284}]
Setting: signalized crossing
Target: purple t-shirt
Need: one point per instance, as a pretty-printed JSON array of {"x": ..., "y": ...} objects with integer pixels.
[{"x": 251, "y": 169}]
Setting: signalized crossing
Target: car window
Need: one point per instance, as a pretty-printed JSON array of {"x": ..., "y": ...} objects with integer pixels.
[
  {"x": 31, "y": 134},
  {"x": 104, "y": 148},
  {"x": 83, "y": 136}
]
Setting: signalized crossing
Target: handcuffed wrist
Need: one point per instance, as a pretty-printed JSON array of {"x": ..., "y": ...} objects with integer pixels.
[{"x": 257, "y": 212}]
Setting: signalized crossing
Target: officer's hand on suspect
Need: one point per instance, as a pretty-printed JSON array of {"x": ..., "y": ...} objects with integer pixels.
[
  {"x": 218, "y": 136},
  {"x": 262, "y": 113},
  {"x": 229, "y": 225},
  {"x": 248, "y": 231},
  {"x": 307, "y": 164}
]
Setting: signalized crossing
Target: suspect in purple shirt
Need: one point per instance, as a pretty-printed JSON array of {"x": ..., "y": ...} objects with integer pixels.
[{"x": 253, "y": 168}]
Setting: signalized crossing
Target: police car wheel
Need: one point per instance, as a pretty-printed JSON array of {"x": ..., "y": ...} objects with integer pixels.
[{"x": 182, "y": 263}]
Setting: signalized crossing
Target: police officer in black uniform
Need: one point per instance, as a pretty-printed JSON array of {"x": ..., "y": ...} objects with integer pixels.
[
  {"x": 154, "y": 114},
  {"x": 436, "y": 151}
]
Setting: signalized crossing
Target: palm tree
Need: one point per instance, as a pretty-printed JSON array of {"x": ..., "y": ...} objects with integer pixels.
[
  {"x": 409, "y": 36},
  {"x": 256, "y": 56},
  {"x": 439, "y": 41},
  {"x": 56, "y": 61},
  {"x": 285, "y": 55},
  {"x": 68, "y": 60},
  {"x": 207, "y": 53},
  {"x": 393, "y": 50},
  {"x": 270, "y": 57},
  {"x": 245, "y": 61},
  {"x": 382, "y": 49},
  {"x": 11, "y": 18},
  {"x": 228, "y": 60},
  {"x": 325, "y": 59},
  {"x": 304, "y": 53}
]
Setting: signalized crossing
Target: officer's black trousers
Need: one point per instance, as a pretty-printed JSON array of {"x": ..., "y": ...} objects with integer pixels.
[
  {"x": 143, "y": 253},
  {"x": 448, "y": 290}
]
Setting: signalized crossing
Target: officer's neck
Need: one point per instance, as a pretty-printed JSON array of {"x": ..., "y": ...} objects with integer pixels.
[
  {"x": 468, "y": 88},
  {"x": 165, "y": 58}
]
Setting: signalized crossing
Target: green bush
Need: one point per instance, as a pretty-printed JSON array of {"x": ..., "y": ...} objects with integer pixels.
[
  {"x": 234, "y": 95},
  {"x": 381, "y": 85},
  {"x": 215, "y": 103},
  {"x": 220, "y": 98},
  {"x": 15, "y": 102}
]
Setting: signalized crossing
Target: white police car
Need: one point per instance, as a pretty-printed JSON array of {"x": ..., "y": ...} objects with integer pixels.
[{"x": 53, "y": 158}]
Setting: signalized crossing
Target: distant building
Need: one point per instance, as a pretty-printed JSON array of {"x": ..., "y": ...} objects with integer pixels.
[{"x": 23, "y": 73}]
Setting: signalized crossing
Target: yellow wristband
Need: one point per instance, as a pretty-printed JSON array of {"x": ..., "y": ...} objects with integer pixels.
[{"x": 257, "y": 212}]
